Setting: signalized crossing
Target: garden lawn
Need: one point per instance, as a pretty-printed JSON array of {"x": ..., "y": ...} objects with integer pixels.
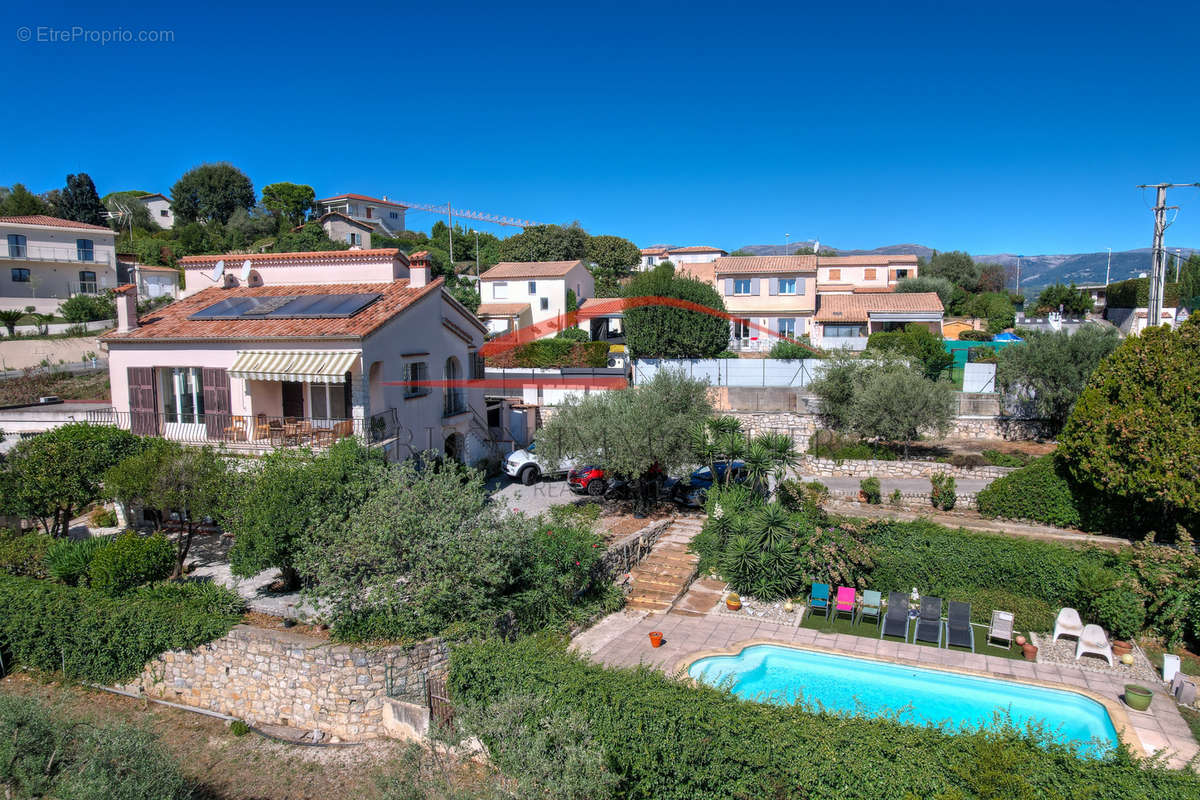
[{"x": 869, "y": 629}]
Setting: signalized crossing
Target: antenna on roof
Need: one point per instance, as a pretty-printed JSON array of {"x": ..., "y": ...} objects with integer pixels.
[
  {"x": 246, "y": 265},
  {"x": 217, "y": 271}
]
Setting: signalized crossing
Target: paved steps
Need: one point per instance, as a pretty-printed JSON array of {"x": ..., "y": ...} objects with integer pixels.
[
  {"x": 702, "y": 597},
  {"x": 664, "y": 574}
]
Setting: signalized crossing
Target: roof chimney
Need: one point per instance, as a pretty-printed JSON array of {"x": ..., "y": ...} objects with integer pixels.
[
  {"x": 126, "y": 297},
  {"x": 418, "y": 269}
]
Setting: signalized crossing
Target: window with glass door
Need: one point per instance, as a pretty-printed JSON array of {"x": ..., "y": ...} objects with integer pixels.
[
  {"x": 844, "y": 331},
  {"x": 545, "y": 304},
  {"x": 416, "y": 379},
  {"x": 85, "y": 250},
  {"x": 455, "y": 397},
  {"x": 533, "y": 287},
  {"x": 741, "y": 286},
  {"x": 87, "y": 281},
  {"x": 741, "y": 330},
  {"x": 787, "y": 285},
  {"x": 901, "y": 274},
  {"x": 182, "y": 394},
  {"x": 787, "y": 328},
  {"x": 329, "y": 401},
  {"x": 16, "y": 246}
]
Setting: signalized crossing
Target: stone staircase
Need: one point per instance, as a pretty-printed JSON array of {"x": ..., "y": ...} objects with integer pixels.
[{"x": 664, "y": 574}]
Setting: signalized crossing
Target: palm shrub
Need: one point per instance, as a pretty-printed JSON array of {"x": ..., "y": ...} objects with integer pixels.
[
  {"x": 870, "y": 490},
  {"x": 944, "y": 491},
  {"x": 68, "y": 560},
  {"x": 130, "y": 561},
  {"x": 10, "y": 318}
]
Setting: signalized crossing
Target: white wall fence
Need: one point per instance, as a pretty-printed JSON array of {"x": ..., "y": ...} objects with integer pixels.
[{"x": 774, "y": 372}]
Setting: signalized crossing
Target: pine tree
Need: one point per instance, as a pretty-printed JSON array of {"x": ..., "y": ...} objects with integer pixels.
[{"x": 80, "y": 202}]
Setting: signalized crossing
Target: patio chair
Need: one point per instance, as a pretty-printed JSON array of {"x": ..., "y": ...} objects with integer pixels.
[
  {"x": 871, "y": 606},
  {"x": 845, "y": 602},
  {"x": 235, "y": 431},
  {"x": 959, "y": 632},
  {"x": 929, "y": 624},
  {"x": 1095, "y": 641},
  {"x": 818, "y": 599},
  {"x": 895, "y": 621},
  {"x": 262, "y": 428},
  {"x": 343, "y": 429},
  {"x": 1001, "y": 629},
  {"x": 1068, "y": 623}
]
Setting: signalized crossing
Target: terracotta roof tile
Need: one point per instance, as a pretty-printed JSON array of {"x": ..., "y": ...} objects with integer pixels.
[
  {"x": 857, "y": 307},
  {"x": 501, "y": 309},
  {"x": 865, "y": 261},
  {"x": 364, "y": 198},
  {"x": 529, "y": 269},
  {"x": 56, "y": 222},
  {"x": 734, "y": 265},
  {"x": 654, "y": 251},
  {"x": 266, "y": 259},
  {"x": 697, "y": 249},
  {"x": 171, "y": 321},
  {"x": 873, "y": 289}
]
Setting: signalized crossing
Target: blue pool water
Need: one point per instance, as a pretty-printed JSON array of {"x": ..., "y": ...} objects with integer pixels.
[{"x": 913, "y": 695}]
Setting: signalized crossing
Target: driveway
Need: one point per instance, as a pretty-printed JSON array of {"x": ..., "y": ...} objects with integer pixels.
[{"x": 533, "y": 499}]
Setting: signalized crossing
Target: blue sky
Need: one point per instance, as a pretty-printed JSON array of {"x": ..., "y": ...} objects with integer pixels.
[{"x": 990, "y": 128}]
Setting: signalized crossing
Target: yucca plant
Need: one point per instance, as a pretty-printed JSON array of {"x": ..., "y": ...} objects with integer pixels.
[
  {"x": 68, "y": 560},
  {"x": 773, "y": 525},
  {"x": 10, "y": 320},
  {"x": 740, "y": 562}
]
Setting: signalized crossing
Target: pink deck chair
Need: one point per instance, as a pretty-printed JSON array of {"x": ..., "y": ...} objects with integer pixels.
[{"x": 845, "y": 602}]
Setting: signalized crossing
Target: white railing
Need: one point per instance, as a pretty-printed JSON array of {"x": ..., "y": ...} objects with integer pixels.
[{"x": 37, "y": 252}]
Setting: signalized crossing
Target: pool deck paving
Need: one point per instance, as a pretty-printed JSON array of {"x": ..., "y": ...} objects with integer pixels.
[{"x": 622, "y": 640}]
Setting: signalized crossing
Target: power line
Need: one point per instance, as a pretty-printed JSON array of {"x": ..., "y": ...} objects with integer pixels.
[{"x": 1158, "y": 271}]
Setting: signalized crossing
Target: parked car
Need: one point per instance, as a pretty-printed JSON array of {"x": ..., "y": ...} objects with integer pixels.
[
  {"x": 524, "y": 466},
  {"x": 693, "y": 490},
  {"x": 588, "y": 479},
  {"x": 619, "y": 486}
]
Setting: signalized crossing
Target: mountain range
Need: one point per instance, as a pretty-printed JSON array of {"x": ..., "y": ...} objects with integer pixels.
[{"x": 1036, "y": 271}]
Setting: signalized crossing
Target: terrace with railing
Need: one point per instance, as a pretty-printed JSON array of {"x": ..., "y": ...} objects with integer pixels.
[{"x": 254, "y": 433}]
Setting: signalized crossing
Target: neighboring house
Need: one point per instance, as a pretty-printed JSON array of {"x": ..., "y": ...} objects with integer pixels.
[
  {"x": 952, "y": 328},
  {"x": 273, "y": 269},
  {"x": 49, "y": 257},
  {"x": 159, "y": 207},
  {"x": 875, "y": 273},
  {"x": 153, "y": 282},
  {"x": 1098, "y": 292},
  {"x": 770, "y": 297},
  {"x": 507, "y": 287},
  {"x": 846, "y": 320},
  {"x": 696, "y": 254},
  {"x": 285, "y": 364},
  {"x": 341, "y": 228},
  {"x": 381, "y": 214}
]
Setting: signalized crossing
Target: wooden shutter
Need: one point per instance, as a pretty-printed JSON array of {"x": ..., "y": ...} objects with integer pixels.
[
  {"x": 835, "y": 274},
  {"x": 868, "y": 274},
  {"x": 143, "y": 401},
  {"x": 215, "y": 386}
]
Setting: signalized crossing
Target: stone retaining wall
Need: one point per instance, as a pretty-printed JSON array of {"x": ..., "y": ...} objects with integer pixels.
[
  {"x": 801, "y": 426},
  {"x": 277, "y": 677},
  {"x": 626, "y": 553},
  {"x": 866, "y": 468},
  {"x": 914, "y": 501}
]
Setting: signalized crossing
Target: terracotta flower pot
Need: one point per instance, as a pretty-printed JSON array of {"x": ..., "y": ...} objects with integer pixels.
[
  {"x": 1020, "y": 641},
  {"x": 1120, "y": 648},
  {"x": 862, "y": 496},
  {"x": 733, "y": 605},
  {"x": 1030, "y": 652},
  {"x": 656, "y": 638}
]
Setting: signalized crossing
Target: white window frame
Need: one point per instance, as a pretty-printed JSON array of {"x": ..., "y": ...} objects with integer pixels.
[
  {"x": 741, "y": 329},
  {"x": 783, "y": 281},
  {"x": 738, "y": 283},
  {"x": 500, "y": 290},
  {"x": 786, "y": 327},
  {"x": 533, "y": 287},
  {"x": 416, "y": 372}
]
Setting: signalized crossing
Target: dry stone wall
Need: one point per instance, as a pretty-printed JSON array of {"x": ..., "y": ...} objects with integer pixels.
[
  {"x": 277, "y": 677},
  {"x": 866, "y": 468}
]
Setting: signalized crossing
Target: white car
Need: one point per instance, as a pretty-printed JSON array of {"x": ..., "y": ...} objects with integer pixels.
[{"x": 524, "y": 466}]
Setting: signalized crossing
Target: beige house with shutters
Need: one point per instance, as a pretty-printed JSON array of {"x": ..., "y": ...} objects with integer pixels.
[
  {"x": 873, "y": 273},
  {"x": 769, "y": 298}
]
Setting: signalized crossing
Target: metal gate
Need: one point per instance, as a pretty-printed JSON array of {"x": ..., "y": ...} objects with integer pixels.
[{"x": 438, "y": 699}]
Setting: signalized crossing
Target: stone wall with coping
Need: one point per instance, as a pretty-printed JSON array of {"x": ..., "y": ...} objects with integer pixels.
[
  {"x": 277, "y": 677},
  {"x": 914, "y": 501},
  {"x": 866, "y": 468},
  {"x": 627, "y": 552}
]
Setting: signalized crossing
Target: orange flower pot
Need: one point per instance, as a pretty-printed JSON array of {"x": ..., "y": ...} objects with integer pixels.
[{"x": 656, "y": 638}]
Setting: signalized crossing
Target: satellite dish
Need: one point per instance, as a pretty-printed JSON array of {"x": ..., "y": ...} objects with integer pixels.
[
  {"x": 218, "y": 271},
  {"x": 246, "y": 265}
]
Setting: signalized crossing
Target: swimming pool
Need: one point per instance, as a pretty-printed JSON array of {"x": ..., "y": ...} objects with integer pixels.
[{"x": 916, "y": 696}]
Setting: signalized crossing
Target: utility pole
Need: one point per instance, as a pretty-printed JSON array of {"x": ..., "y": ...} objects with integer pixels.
[
  {"x": 476, "y": 254},
  {"x": 786, "y": 236},
  {"x": 450, "y": 222},
  {"x": 1019, "y": 273},
  {"x": 1107, "y": 272},
  {"x": 1158, "y": 262},
  {"x": 1178, "y": 260}
]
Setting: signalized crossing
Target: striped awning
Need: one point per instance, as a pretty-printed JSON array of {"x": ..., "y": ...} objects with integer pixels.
[{"x": 306, "y": 366}]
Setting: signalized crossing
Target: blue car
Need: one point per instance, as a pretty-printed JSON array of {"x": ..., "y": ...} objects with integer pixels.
[{"x": 693, "y": 490}]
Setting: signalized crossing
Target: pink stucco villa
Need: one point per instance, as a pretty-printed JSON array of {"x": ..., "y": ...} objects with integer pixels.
[{"x": 287, "y": 349}]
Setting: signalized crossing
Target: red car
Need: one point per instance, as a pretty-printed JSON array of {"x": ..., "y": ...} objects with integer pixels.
[{"x": 587, "y": 480}]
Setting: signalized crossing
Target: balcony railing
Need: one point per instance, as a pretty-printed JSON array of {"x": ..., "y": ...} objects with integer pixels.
[
  {"x": 37, "y": 252},
  {"x": 259, "y": 432}
]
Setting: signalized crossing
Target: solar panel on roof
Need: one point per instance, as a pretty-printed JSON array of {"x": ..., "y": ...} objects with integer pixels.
[{"x": 305, "y": 306}]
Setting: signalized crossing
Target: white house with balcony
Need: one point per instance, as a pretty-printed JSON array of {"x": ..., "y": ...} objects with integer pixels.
[
  {"x": 51, "y": 258},
  {"x": 692, "y": 254},
  {"x": 516, "y": 294},
  {"x": 383, "y": 215}
]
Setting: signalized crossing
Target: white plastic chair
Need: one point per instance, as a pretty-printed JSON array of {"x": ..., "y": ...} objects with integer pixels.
[
  {"x": 1001, "y": 629},
  {"x": 1068, "y": 623},
  {"x": 1094, "y": 640}
]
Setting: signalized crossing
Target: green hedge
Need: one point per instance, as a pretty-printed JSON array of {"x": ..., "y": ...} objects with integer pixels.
[
  {"x": 561, "y": 353},
  {"x": 24, "y": 554},
  {"x": 1135, "y": 293},
  {"x": 1029, "y": 613},
  {"x": 1039, "y": 491},
  {"x": 937, "y": 559},
  {"x": 130, "y": 560},
  {"x": 669, "y": 741},
  {"x": 96, "y": 638}
]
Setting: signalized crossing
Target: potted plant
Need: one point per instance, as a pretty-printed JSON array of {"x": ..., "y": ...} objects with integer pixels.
[
  {"x": 1030, "y": 651},
  {"x": 656, "y": 639},
  {"x": 1138, "y": 697},
  {"x": 733, "y": 602}
]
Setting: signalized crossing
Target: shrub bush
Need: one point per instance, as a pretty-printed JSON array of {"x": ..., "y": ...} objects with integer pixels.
[
  {"x": 103, "y": 518},
  {"x": 943, "y": 491},
  {"x": 88, "y": 308},
  {"x": 24, "y": 554},
  {"x": 982, "y": 355},
  {"x": 895, "y": 498},
  {"x": 129, "y": 561},
  {"x": 667, "y": 740},
  {"x": 975, "y": 336},
  {"x": 574, "y": 335},
  {"x": 558, "y": 352},
  {"x": 1040, "y": 491},
  {"x": 967, "y": 460},
  {"x": 998, "y": 459},
  {"x": 835, "y": 446},
  {"x": 1120, "y": 612},
  {"x": 807, "y": 497},
  {"x": 43, "y": 754},
  {"x": 789, "y": 350},
  {"x": 870, "y": 490},
  {"x": 1029, "y": 613},
  {"x": 93, "y": 637},
  {"x": 68, "y": 560}
]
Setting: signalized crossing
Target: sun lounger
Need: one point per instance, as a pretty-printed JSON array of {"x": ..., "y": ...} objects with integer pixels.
[
  {"x": 871, "y": 606},
  {"x": 818, "y": 599},
  {"x": 929, "y": 624},
  {"x": 1095, "y": 641},
  {"x": 1001, "y": 629},
  {"x": 895, "y": 621},
  {"x": 959, "y": 632},
  {"x": 1068, "y": 623}
]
